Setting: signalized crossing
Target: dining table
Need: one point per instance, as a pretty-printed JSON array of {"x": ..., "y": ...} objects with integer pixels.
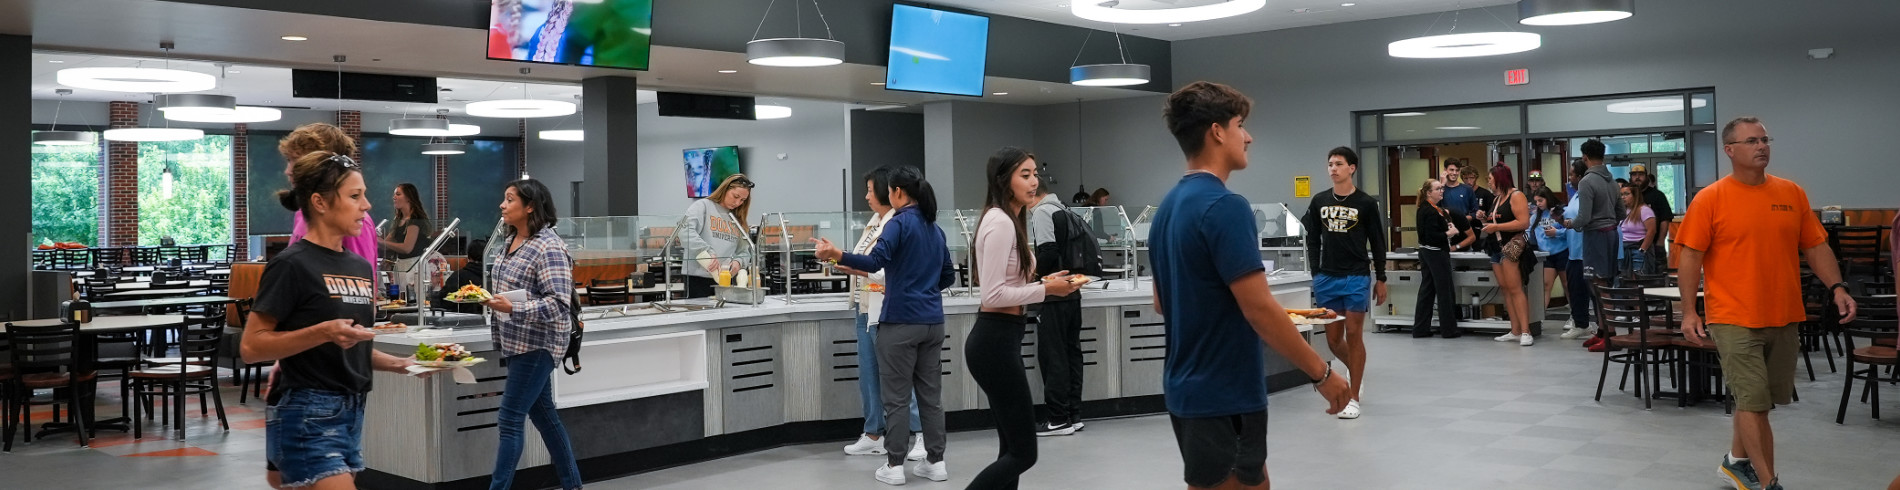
[
  {"x": 87, "y": 351},
  {"x": 163, "y": 302},
  {"x": 153, "y": 293}
]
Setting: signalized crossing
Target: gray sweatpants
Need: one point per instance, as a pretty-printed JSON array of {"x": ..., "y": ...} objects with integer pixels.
[{"x": 910, "y": 357}]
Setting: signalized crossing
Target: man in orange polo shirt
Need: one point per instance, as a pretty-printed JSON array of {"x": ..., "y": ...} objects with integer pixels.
[{"x": 1748, "y": 233}]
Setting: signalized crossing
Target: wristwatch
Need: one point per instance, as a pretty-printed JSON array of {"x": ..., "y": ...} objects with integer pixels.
[{"x": 1839, "y": 285}]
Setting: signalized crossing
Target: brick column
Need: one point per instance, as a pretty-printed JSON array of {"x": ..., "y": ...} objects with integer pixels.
[
  {"x": 352, "y": 124},
  {"x": 240, "y": 185},
  {"x": 441, "y": 185},
  {"x": 122, "y": 179}
]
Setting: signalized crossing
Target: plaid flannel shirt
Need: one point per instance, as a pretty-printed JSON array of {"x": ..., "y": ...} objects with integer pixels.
[{"x": 541, "y": 267}]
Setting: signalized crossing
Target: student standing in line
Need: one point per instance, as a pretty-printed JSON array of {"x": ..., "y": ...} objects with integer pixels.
[
  {"x": 1505, "y": 224},
  {"x": 867, "y": 303},
  {"x": 1598, "y": 211},
  {"x": 315, "y": 303},
  {"x": 1582, "y": 298},
  {"x": 1551, "y": 238},
  {"x": 1658, "y": 202},
  {"x": 1211, "y": 290},
  {"x": 714, "y": 238},
  {"x": 1440, "y": 232},
  {"x": 533, "y": 334},
  {"x": 1748, "y": 233},
  {"x": 1346, "y": 227},
  {"x": 1482, "y": 199},
  {"x": 1058, "y": 320},
  {"x": 917, "y": 268},
  {"x": 1637, "y": 228},
  {"x": 993, "y": 352}
]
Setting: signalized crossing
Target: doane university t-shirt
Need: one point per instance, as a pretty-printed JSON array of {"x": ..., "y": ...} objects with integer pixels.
[
  {"x": 306, "y": 285},
  {"x": 1203, "y": 239}
]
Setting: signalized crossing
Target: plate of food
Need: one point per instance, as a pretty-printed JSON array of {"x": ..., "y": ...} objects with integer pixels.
[
  {"x": 391, "y": 327},
  {"x": 395, "y": 304},
  {"x": 470, "y": 294},
  {"x": 1313, "y": 316},
  {"x": 1076, "y": 279},
  {"x": 444, "y": 355}
]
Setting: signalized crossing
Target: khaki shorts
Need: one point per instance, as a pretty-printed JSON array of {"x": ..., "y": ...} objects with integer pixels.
[{"x": 1758, "y": 363}]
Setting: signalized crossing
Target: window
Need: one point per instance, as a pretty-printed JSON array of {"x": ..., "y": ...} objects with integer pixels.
[
  {"x": 185, "y": 191},
  {"x": 66, "y": 193}
]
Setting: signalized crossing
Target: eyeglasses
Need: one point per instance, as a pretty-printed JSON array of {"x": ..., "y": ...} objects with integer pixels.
[
  {"x": 343, "y": 160},
  {"x": 742, "y": 182},
  {"x": 1753, "y": 141}
]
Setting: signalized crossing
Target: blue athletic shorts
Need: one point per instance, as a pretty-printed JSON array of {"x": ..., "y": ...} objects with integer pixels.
[{"x": 1343, "y": 293}]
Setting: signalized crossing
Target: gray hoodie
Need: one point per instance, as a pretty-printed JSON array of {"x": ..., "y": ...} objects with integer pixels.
[
  {"x": 1601, "y": 205},
  {"x": 711, "y": 228}
]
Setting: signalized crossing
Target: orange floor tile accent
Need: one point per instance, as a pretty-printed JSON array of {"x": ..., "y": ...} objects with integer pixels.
[
  {"x": 247, "y": 424},
  {"x": 183, "y": 451}
]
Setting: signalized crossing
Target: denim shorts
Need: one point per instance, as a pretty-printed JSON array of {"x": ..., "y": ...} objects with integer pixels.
[
  {"x": 1343, "y": 293},
  {"x": 310, "y": 435}
]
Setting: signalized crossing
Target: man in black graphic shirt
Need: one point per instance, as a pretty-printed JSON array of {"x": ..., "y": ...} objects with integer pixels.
[{"x": 1343, "y": 228}]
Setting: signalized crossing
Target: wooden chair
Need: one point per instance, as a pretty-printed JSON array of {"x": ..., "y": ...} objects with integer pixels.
[
  {"x": 249, "y": 378},
  {"x": 1873, "y": 324},
  {"x": 607, "y": 292},
  {"x": 193, "y": 372},
  {"x": 1624, "y": 309},
  {"x": 45, "y": 358}
]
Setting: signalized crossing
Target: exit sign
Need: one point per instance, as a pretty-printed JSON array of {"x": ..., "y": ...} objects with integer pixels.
[{"x": 1519, "y": 76}]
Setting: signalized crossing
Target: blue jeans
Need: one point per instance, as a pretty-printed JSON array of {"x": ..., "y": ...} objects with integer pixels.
[
  {"x": 310, "y": 435},
  {"x": 868, "y": 382},
  {"x": 530, "y": 394}
]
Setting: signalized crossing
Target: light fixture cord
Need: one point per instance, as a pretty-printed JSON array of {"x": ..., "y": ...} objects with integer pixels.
[
  {"x": 1119, "y": 48},
  {"x": 1495, "y": 17},
  {"x": 56, "y": 105},
  {"x": 768, "y": 15},
  {"x": 1085, "y": 47},
  {"x": 821, "y": 19}
]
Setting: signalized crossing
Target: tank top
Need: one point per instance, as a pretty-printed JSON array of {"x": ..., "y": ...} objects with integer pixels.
[{"x": 1501, "y": 212}]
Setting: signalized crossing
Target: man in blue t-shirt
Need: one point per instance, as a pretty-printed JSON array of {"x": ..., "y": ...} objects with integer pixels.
[
  {"x": 1212, "y": 292},
  {"x": 1458, "y": 196}
]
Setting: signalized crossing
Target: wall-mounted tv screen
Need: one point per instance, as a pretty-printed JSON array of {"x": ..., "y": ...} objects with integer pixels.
[
  {"x": 707, "y": 167},
  {"x": 604, "y": 33},
  {"x": 936, "y": 51}
]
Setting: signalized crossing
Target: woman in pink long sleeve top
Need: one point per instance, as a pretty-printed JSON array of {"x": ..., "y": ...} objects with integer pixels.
[{"x": 1005, "y": 267}]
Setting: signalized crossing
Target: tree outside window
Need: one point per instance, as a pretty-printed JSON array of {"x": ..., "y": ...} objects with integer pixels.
[
  {"x": 185, "y": 191},
  {"x": 66, "y": 193}
]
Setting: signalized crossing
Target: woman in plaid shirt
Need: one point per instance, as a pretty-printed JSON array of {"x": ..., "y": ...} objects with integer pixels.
[{"x": 532, "y": 335}]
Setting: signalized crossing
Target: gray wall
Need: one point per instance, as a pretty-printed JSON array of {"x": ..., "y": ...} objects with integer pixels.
[
  {"x": 883, "y": 138},
  {"x": 1120, "y": 145},
  {"x": 815, "y": 141},
  {"x": 555, "y": 163},
  {"x": 959, "y": 138},
  {"x": 1824, "y": 114}
]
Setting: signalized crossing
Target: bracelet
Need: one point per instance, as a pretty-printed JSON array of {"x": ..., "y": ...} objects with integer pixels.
[{"x": 1324, "y": 377}]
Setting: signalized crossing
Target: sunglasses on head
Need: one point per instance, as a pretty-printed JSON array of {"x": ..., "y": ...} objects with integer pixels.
[
  {"x": 742, "y": 182},
  {"x": 343, "y": 160}
]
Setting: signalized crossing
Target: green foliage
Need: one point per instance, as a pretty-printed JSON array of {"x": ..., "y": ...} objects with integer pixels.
[
  {"x": 66, "y": 194},
  {"x": 198, "y": 209}
]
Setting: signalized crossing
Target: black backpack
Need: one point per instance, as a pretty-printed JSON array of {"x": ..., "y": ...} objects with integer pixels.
[{"x": 1075, "y": 242}]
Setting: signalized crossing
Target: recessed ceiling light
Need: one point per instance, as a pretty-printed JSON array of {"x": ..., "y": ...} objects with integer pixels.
[
  {"x": 999, "y": 93},
  {"x": 1405, "y": 114},
  {"x": 1347, "y": 4},
  {"x": 728, "y": 71},
  {"x": 1174, "y": 25},
  {"x": 877, "y": 83},
  {"x": 1457, "y": 128},
  {"x": 55, "y": 61},
  {"x": 232, "y": 71},
  {"x": 294, "y": 38}
]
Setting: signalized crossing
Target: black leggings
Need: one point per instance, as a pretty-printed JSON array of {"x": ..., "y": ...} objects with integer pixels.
[{"x": 994, "y": 355}]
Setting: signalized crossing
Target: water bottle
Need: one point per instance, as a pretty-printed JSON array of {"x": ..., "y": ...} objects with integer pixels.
[{"x": 1477, "y": 307}]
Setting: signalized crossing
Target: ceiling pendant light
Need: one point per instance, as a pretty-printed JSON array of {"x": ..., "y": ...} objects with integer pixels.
[
  {"x": 451, "y": 148},
  {"x": 55, "y": 137},
  {"x": 419, "y": 126},
  {"x": 1465, "y": 45},
  {"x": 563, "y": 135},
  {"x": 521, "y": 108},
  {"x": 1573, "y": 12},
  {"x": 1099, "y": 11},
  {"x": 154, "y": 134},
  {"x": 1108, "y": 75},
  {"x": 137, "y": 79},
  {"x": 216, "y": 109},
  {"x": 798, "y": 51}
]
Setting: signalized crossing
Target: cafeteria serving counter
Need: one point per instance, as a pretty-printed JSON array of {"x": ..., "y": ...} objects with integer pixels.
[{"x": 664, "y": 389}]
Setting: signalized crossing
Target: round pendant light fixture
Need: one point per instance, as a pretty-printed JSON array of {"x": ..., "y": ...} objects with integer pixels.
[
  {"x": 794, "y": 52},
  {"x": 1646, "y": 106},
  {"x": 444, "y": 148},
  {"x": 1109, "y": 75},
  {"x": 771, "y": 112},
  {"x": 136, "y": 79},
  {"x": 62, "y": 138},
  {"x": 196, "y": 105},
  {"x": 1465, "y": 45},
  {"x": 1099, "y": 11},
  {"x": 154, "y": 134},
  {"x": 1573, "y": 12},
  {"x": 519, "y": 108},
  {"x": 242, "y": 114},
  {"x": 563, "y": 135},
  {"x": 419, "y": 126},
  {"x": 464, "y": 130}
]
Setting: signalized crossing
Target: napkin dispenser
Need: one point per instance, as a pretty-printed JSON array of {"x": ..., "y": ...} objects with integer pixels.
[{"x": 76, "y": 311}]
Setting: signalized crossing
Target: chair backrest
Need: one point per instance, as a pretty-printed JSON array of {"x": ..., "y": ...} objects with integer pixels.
[
  {"x": 607, "y": 291},
  {"x": 1871, "y": 323},
  {"x": 200, "y": 339},
  {"x": 43, "y": 348}
]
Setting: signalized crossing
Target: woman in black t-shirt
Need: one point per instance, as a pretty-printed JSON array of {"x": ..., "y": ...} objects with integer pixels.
[
  {"x": 408, "y": 234},
  {"x": 1440, "y": 232},
  {"x": 314, "y": 305}
]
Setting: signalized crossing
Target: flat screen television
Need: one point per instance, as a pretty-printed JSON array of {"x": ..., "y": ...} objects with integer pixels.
[
  {"x": 707, "y": 167},
  {"x": 603, "y": 33},
  {"x": 936, "y": 51}
]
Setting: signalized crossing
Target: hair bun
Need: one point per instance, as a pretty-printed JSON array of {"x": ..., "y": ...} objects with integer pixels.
[{"x": 288, "y": 199}]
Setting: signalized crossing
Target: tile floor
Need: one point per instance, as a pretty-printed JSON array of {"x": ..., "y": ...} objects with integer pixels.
[{"x": 1440, "y": 414}]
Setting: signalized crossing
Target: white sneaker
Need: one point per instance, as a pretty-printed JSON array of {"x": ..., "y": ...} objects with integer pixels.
[
  {"x": 931, "y": 471},
  {"x": 1588, "y": 332},
  {"x": 1507, "y": 337},
  {"x": 892, "y": 475},
  {"x": 1526, "y": 340},
  {"x": 866, "y": 446},
  {"x": 1351, "y": 411},
  {"x": 916, "y": 448}
]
